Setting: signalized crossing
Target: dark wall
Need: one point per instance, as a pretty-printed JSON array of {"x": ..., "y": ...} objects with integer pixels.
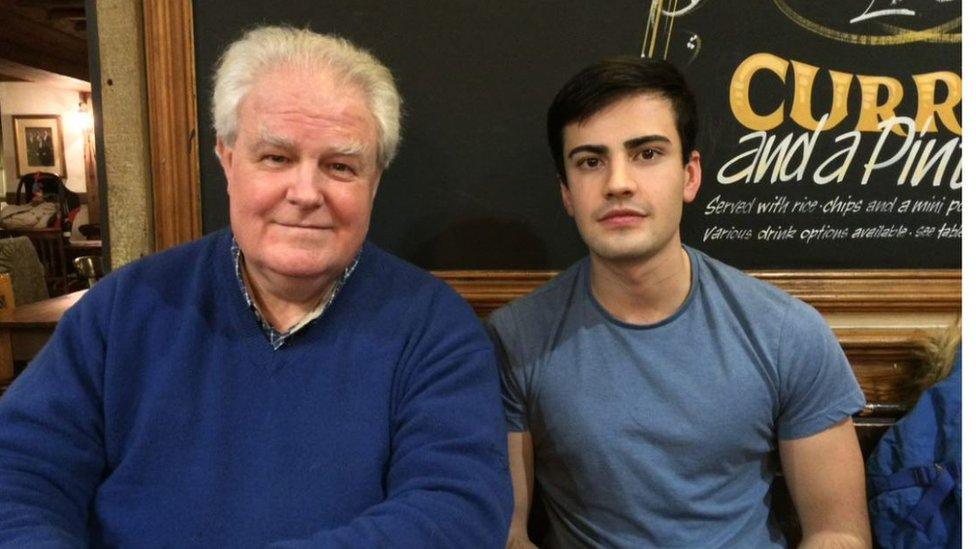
[{"x": 473, "y": 186}]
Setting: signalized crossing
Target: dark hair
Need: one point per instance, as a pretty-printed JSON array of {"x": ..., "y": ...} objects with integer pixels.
[{"x": 597, "y": 86}]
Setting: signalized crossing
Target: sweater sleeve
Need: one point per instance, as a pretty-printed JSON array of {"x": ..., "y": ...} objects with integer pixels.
[
  {"x": 447, "y": 483},
  {"x": 52, "y": 453}
]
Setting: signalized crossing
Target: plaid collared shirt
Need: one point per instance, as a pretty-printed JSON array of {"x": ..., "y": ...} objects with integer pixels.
[{"x": 276, "y": 338}]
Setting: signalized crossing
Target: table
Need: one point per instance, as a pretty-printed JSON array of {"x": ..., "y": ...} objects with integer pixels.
[
  {"x": 93, "y": 247},
  {"x": 25, "y": 329}
]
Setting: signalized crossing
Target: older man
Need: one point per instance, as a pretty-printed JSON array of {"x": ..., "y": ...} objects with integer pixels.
[{"x": 280, "y": 383}]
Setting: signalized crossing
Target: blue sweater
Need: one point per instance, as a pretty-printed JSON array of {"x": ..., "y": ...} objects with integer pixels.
[{"x": 159, "y": 415}]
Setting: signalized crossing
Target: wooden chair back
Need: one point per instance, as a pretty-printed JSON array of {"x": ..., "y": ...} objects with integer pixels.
[
  {"x": 50, "y": 245},
  {"x": 7, "y": 303}
]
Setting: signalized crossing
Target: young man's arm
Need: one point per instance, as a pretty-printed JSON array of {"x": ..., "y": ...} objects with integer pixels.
[
  {"x": 520, "y": 461},
  {"x": 825, "y": 476}
]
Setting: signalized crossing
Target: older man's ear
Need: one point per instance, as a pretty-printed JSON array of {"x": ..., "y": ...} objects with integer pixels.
[{"x": 225, "y": 156}]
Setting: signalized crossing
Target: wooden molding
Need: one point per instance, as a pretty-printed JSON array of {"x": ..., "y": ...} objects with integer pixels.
[
  {"x": 886, "y": 363},
  {"x": 174, "y": 143},
  {"x": 934, "y": 290},
  {"x": 490, "y": 290},
  {"x": 884, "y": 360},
  {"x": 892, "y": 290}
]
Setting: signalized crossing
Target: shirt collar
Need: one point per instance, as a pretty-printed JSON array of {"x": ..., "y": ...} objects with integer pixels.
[{"x": 275, "y": 338}]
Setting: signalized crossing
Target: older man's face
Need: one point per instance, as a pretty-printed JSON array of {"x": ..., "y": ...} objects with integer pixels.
[{"x": 301, "y": 175}]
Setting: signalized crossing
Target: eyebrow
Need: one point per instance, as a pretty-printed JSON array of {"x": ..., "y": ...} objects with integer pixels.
[
  {"x": 351, "y": 148},
  {"x": 629, "y": 144},
  {"x": 268, "y": 138},
  {"x": 595, "y": 149},
  {"x": 644, "y": 140}
]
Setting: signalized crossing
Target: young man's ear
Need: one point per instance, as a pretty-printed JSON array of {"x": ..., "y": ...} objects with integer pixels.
[
  {"x": 693, "y": 175},
  {"x": 567, "y": 198}
]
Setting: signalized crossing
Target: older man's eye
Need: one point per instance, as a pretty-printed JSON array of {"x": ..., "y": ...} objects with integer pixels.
[
  {"x": 342, "y": 169},
  {"x": 274, "y": 159}
]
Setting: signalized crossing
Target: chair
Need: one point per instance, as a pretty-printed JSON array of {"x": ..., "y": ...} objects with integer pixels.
[
  {"x": 18, "y": 256},
  {"x": 89, "y": 267},
  {"x": 50, "y": 247},
  {"x": 21, "y": 282},
  {"x": 7, "y": 303},
  {"x": 48, "y": 241},
  {"x": 51, "y": 188}
]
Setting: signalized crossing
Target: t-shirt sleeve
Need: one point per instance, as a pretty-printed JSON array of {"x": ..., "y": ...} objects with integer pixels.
[
  {"x": 817, "y": 386},
  {"x": 510, "y": 371}
]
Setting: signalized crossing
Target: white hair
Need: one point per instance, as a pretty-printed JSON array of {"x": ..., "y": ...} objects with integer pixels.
[{"x": 265, "y": 49}]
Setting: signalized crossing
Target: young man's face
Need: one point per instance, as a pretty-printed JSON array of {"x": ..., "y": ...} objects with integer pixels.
[{"x": 625, "y": 179}]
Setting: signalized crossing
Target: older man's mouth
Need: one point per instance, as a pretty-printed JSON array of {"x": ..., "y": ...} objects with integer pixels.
[{"x": 305, "y": 226}]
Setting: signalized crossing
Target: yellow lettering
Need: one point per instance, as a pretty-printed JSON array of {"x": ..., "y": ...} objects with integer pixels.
[
  {"x": 739, "y": 91},
  {"x": 802, "y": 111},
  {"x": 928, "y": 108},
  {"x": 872, "y": 114}
]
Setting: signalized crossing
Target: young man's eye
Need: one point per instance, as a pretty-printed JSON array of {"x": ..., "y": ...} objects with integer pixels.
[
  {"x": 589, "y": 162},
  {"x": 647, "y": 154}
]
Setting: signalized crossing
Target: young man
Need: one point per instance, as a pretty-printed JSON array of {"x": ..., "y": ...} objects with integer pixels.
[{"x": 648, "y": 386}]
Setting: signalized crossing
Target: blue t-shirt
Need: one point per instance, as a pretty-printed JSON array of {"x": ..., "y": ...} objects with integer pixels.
[{"x": 662, "y": 434}]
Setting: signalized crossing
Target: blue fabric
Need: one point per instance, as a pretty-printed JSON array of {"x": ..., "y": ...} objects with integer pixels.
[
  {"x": 661, "y": 435},
  {"x": 914, "y": 473},
  {"x": 159, "y": 415}
]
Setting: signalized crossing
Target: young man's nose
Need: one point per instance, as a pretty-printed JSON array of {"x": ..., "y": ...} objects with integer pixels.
[{"x": 620, "y": 181}]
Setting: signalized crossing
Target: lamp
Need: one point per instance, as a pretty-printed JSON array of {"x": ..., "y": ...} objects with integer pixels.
[{"x": 82, "y": 118}]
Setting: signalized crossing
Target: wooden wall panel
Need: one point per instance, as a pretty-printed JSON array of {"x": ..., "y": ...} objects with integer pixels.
[
  {"x": 904, "y": 291},
  {"x": 884, "y": 359},
  {"x": 171, "y": 81}
]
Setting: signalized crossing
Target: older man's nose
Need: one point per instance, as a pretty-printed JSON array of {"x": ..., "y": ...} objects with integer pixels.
[{"x": 305, "y": 188}]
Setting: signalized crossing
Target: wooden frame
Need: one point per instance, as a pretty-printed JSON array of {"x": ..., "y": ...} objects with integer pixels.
[
  {"x": 870, "y": 291},
  {"x": 174, "y": 147},
  {"x": 176, "y": 185},
  {"x": 39, "y": 144}
]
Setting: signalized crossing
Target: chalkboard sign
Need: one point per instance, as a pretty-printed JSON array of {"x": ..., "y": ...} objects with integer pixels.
[{"x": 784, "y": 185}]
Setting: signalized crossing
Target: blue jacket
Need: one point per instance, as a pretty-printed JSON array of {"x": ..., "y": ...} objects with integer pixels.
[{"x": 915, "y": 472}]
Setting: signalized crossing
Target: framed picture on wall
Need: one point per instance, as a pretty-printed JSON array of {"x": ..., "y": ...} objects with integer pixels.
[{"x": 39, "y": 144}]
